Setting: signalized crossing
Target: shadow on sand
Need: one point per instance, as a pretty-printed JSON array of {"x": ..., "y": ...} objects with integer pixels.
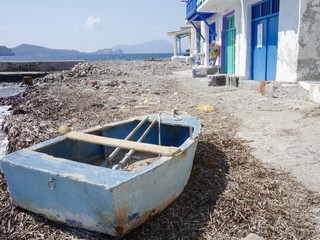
[{"x": 190, "y": 213}]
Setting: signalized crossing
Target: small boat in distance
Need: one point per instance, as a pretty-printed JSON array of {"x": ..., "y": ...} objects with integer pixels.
[{"x": 108, "y": 179}]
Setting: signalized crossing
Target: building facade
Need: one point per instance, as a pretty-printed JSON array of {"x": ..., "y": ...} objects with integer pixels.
[{"x": 259, "y": 40}]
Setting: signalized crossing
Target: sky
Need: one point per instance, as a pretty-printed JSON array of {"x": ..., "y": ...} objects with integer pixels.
[{"x": 88, "y": 26}]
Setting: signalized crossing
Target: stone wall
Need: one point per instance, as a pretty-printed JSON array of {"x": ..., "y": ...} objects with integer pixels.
[
  {"x": 41, "y": 66},
  {"x": 309, "y": 41}
]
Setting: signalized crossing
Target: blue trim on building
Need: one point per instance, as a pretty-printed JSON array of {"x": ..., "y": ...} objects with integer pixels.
[
  {"x": 203, "y": 18},
  {"x": 198, "y": 30}
]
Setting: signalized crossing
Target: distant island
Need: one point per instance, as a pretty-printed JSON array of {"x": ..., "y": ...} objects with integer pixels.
[
  {"x": 109, "y": 51},
  {"x": 4, "y": 51},
  {"x": 33, "y": 50},
  {"x": 157, "y": 46}
]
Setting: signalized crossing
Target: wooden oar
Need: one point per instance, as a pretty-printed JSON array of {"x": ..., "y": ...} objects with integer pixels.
[
  {"x": 129, "y": 154},
  {"x": 115, "y": 152}
]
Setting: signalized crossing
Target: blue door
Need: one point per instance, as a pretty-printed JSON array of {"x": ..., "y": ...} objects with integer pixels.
[
  {"x": 265, "y": 18},
  {"x": 272, "y": 47},
  {"x": 212, "y": 37},
  {"x": 212, "y": 32},
  {"x": 230, "y": 49}
]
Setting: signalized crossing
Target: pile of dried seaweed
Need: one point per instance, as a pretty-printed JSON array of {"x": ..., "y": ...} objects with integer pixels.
[{"x": 230, "y": 194}]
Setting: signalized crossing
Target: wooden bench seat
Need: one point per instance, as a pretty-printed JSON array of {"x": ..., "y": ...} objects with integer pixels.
[{"x": 125, "y": 144}]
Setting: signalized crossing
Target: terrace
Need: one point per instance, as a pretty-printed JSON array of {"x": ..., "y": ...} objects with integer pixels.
[
  {"x": 215, "y": 5},
  {"x": 191, "y": 10}
]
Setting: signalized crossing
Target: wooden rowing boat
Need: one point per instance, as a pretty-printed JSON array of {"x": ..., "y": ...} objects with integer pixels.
[{"x": 108, "y": 179}]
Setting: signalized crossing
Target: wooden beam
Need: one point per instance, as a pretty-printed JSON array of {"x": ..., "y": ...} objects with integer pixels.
[{"x": 125, "y": 144}]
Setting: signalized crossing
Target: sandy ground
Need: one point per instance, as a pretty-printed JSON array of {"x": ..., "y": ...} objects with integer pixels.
[
  {"x": 255, "y": 167},
  {"x": 282, "y": 129}
]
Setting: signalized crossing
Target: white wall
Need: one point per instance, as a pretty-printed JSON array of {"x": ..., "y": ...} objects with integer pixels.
[
  {"x": 243, "y": 38},
  {"x": 205, "y": 43},
  {"x": 288, "y": 44},
  {"x": 193, "y": 43}
]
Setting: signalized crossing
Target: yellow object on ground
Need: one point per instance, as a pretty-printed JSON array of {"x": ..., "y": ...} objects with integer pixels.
[
  {"x": 64, "y": 129},
  {"x": 206, "y": 108}
]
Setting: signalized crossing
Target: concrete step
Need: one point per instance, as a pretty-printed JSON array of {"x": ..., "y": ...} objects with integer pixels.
[{"x": 314, "y": 89}]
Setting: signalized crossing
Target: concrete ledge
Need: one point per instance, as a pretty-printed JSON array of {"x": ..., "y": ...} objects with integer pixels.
[
  {"x": 38, "y": 66},
  {"x": 186, "y": 59},
  {"x": 18, "y": 76},
  {"x": 314, "y": 89},
  {"x": 201, "y": 71},
  {"x": 315, "y": 93}
]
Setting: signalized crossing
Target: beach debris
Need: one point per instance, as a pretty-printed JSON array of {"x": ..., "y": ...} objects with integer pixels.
[
  {"x": 92, "y": 83},
  {"x": 262, "y": 87},
  {"x": 64, "y": 129},
  {"x": 252, "y": 236},
  {"x": 98, "y": 105},
  {"x": 20, "y": 111},
  {"x": 28, "y": 80},
  {"x": 206, "y": 108}
]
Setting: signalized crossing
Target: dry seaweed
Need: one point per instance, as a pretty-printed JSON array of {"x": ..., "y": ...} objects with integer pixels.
[{"x": 230, "y": 193}]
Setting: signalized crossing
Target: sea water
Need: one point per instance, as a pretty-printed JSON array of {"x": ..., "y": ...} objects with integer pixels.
[
  {"x": 4, "y": 111},
  {"x": 90, "y": 57}
]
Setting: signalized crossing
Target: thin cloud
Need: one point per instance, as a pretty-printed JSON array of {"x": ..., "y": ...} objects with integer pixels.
[
  {"x": 3, "y": 29},
  {"x": 94, "y": 23}
]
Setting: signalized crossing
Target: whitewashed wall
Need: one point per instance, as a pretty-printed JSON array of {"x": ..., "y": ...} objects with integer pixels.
[
  {"x": 288, "y": 44},
  {"x": 205, "y": 43}
]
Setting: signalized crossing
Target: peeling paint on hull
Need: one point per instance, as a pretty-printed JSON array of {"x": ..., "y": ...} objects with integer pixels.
[{"x": 67, "y": 187}]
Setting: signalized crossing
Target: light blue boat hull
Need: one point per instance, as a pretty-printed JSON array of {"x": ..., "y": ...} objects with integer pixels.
[{"x": 93, "y": 197}]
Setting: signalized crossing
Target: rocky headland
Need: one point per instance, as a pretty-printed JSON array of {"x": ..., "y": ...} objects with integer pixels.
[{"x": 4, "y": 51}]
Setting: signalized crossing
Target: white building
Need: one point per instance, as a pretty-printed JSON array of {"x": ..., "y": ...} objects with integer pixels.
[{"x": 260, "y": 40}]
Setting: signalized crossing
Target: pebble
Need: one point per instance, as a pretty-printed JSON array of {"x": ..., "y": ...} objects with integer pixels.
[{"x": 252, "y": 236}]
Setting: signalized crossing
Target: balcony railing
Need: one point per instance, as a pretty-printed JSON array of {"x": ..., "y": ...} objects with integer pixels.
[{"x": 192, "y": 6}]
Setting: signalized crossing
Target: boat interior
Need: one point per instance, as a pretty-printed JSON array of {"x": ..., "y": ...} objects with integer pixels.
[{"x": 127, "y": 146}]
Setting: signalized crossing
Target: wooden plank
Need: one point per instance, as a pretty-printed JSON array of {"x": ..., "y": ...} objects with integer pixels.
[{"x": 125, "y": 144}]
